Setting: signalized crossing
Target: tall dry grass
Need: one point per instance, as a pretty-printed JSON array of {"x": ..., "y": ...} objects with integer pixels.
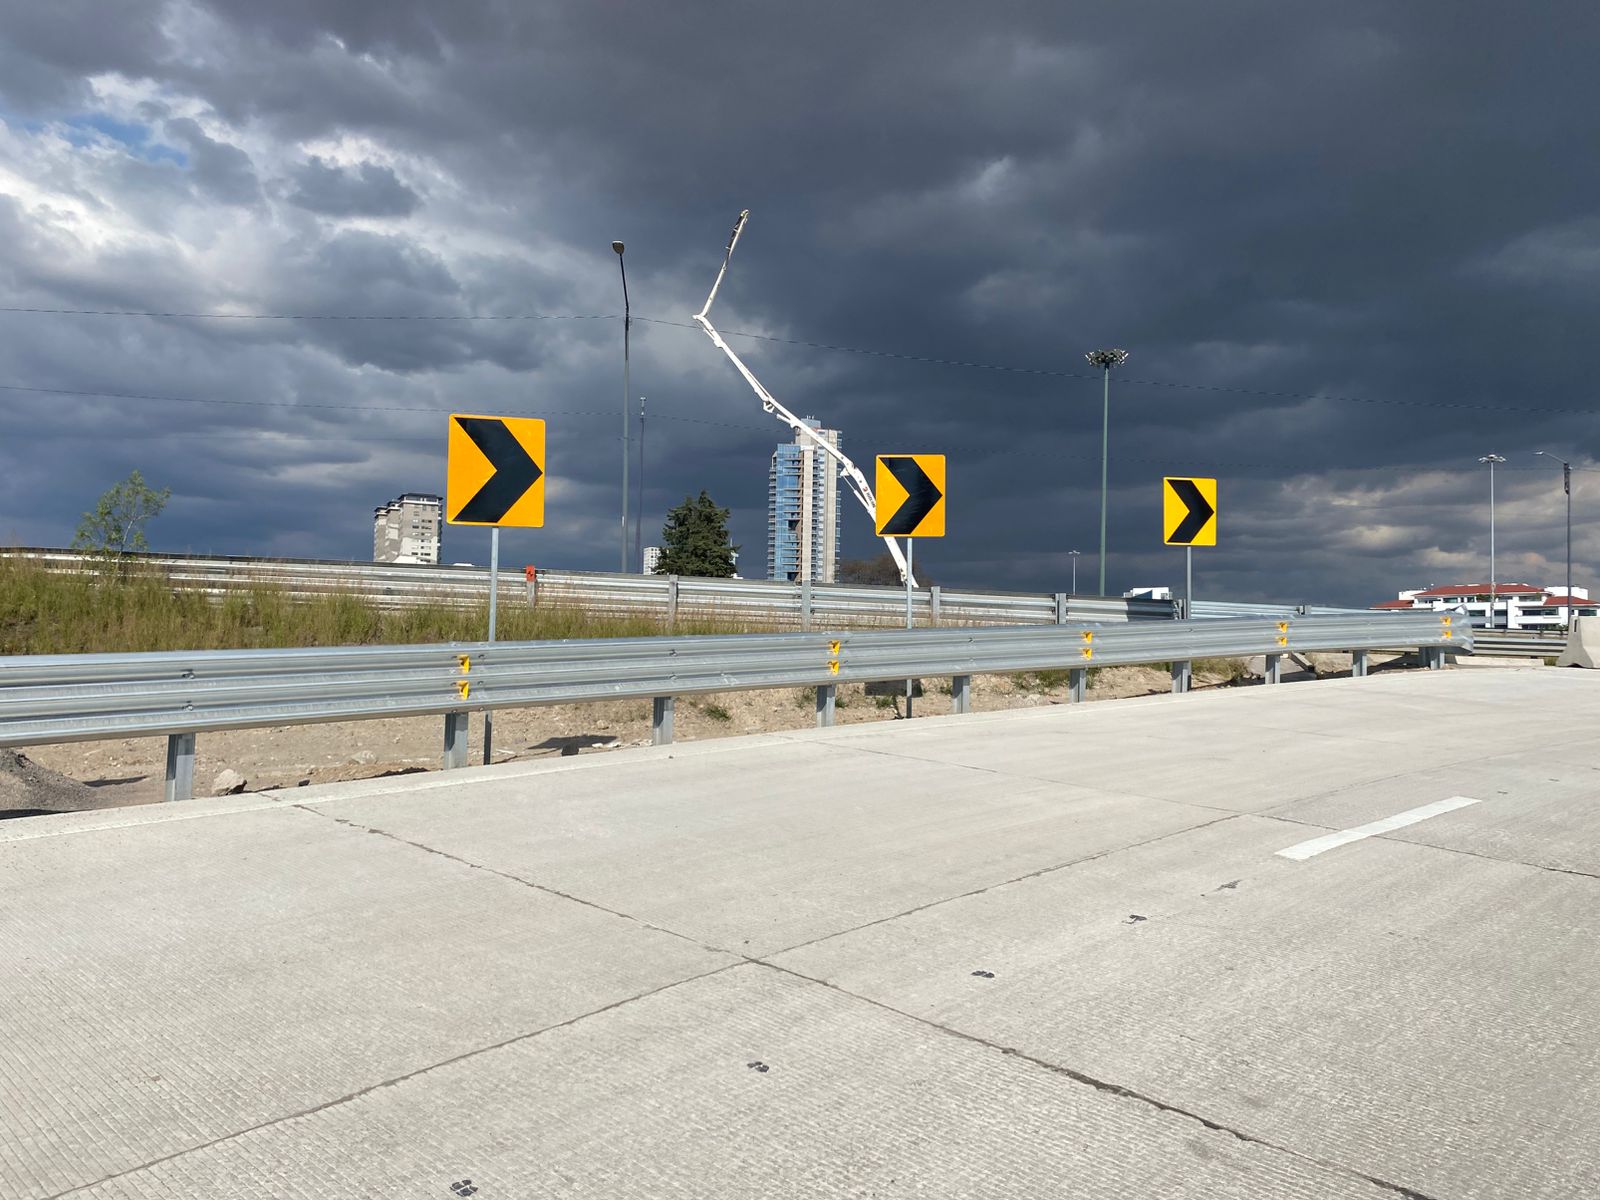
[{"x": 118, "y": 608}]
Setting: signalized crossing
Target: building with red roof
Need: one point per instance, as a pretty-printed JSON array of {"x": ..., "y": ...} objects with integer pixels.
[{"x": 1515, "y": 605}]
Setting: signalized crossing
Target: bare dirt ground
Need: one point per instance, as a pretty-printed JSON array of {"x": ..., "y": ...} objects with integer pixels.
[{"x": 87, "y": 775}]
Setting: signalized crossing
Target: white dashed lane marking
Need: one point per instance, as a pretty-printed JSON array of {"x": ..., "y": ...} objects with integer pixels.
[{"x": 1330, "y": 841}]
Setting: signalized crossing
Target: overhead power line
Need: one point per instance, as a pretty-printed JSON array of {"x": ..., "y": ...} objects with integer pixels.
[
  {"x": 293, "y": 406},
  {"x": 831, "y": 347},
  {"x": 744, "y": 426},
  {"x": 200, "y": 316}
]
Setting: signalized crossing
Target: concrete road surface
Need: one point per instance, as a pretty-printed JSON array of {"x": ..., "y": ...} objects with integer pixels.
[{"x": 1052, "y": 953}]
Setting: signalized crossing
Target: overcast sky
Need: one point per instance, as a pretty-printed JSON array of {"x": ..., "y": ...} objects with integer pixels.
[{"x": 1350, "y": 248}]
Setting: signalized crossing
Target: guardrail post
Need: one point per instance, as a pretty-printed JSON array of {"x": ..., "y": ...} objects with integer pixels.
[
  {"x": 455, "y": 740},
  {"x": 827, "y": 697},
  {"x": 1182, "y": 675},
  {"x": 805, "y": 607},
  {"x": 1358, "y": 664},
  {"x": 1061, "y": 608},
  {"x": 180, "y": 767},
  {"x": 961, "y": 693},
  {"x": 1273, "y": 672},
  {"x": 672, "y": 601},
  {"x": 661, "y": 720},
  {"x": 1078, "y": 684},
  {"x": 1434, "y": 656},
  {"x": 933, "y": 605}
]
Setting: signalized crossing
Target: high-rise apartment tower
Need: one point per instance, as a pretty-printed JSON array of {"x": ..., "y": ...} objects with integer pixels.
[{"x": 803, "y": 509}]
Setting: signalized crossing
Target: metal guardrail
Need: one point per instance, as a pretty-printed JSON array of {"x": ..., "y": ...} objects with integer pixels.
[
  {"x": 1519, "y": 643},
  {"x": 1213, "y": 610},
  {"x": 754, "y": 603},
  {"x": 81, "y": 697}
]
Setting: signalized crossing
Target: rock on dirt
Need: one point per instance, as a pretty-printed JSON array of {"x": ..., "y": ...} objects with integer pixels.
[{"x": 228, "y": 783}]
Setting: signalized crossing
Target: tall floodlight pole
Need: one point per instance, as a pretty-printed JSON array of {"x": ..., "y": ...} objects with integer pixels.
[
  {"x": 1494, "y": 579},
  {"x": 1105, "y": 360},
  {"x": 1073, "y": 554},
  {"x": 638, "y": 512},
  {"x": 627, "y": 392},
  {"x": 1566, "y": 486}
]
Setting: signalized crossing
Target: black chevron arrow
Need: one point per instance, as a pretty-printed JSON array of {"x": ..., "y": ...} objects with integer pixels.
[
  {"x": 921, "y": 496},
  {"x": 1200, "y": 511},
  {"x": 514, "y": 471}
]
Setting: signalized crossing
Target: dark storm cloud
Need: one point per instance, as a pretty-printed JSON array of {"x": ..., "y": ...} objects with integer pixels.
[
  {"x": 222, "y": 171},
  {"x": 371, "y": 191},
  {"x": 1392, "y": 204}
]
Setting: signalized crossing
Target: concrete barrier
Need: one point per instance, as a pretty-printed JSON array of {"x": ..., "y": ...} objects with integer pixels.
[{"x": 1583, "y": 644}]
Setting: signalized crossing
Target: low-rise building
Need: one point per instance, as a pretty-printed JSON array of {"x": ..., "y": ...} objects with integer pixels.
[{"x": 1499, "y": 605}]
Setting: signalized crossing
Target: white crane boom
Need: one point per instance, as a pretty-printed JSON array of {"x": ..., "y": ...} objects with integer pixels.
[{"x": 769, "y": 403}]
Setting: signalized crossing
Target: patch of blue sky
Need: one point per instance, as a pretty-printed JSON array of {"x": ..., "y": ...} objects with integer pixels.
[{"x": 81, "y": 131}]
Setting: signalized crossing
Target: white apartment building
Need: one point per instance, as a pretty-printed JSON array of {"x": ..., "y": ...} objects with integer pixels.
[
  {"x": 406, "y": 530},
  {"x": 652, "y": 559},
  {"x": 1515, "y": 605}
]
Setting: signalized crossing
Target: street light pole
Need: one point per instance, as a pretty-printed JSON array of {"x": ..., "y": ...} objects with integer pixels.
[
  {"x": 638, "y": 512},
  {"x": 1074, "y": 556},
  {"x": 1105, "y": 360},
  {"x": 627, "y": 391},
  {"x": 1566, "y": 486},
  {"x": 1492, "y": 459}
]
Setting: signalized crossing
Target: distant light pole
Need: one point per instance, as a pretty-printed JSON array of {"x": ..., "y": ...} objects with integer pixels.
[
  {"x": 1105, "y": 360},
  {"x": 627, "y": 391},
  {"x": 1492, "y": 459},
  {"x": 1566, "y": 486},
  {"x": 638, "y": 513},
  {"x": 1074, "y": 555}
]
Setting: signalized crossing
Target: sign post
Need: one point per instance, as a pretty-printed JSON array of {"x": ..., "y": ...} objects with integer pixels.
[
  {"x": 910, "y": 683},
  {"x": 1189, "y": 519},
  {"x": 494, "y": 475},
  {"x": 910, "y": 504}
]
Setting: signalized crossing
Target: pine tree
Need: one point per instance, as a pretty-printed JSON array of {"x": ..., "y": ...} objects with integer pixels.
[{"x": 694, "y": 540}]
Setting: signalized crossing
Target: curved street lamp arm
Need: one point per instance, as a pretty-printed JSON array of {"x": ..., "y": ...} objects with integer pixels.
[{"x": 769, "y": 403}]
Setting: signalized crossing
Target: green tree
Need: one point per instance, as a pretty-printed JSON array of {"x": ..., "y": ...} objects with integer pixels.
[
  {"x": 694, "y": 540},
  {"x": 879, "y": 570},
  {"x": 114, "y": 525}
]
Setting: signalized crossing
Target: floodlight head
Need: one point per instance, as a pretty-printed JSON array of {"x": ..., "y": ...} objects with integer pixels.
[
  {"x": 618, "y": 247},
  {"x": 1106, "y": 359},
  {"x": 1491, "y": 458}
]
